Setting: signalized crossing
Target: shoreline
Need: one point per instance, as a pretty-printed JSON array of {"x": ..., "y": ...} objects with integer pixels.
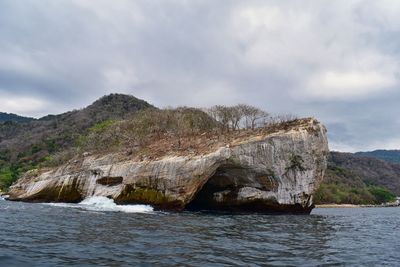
[
  {"x": 337, "y": 206},
  {"x": 356, "y": 206}
]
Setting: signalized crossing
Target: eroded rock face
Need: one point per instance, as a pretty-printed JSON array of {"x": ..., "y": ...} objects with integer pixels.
[{"x": 278, "y": 172}]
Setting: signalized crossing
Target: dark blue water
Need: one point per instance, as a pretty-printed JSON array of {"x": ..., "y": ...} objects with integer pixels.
[{"x": 72, "y": 235}]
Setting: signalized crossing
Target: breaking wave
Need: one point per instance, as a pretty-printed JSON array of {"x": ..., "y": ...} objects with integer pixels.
[
  {"x": 98, "y": 203},
  {"x": 106, "y": 204}
]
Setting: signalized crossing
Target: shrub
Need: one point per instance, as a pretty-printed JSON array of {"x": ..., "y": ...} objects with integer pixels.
[{"x": 382, "y": 195}]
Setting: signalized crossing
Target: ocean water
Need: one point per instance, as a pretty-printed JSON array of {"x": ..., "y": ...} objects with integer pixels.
[{"x": 97, "y": 232}]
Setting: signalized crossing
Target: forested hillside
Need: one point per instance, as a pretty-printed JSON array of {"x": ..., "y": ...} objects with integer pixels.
[
  {"x": 9, "y": 117},
  {"x": 27, "y": 144},
  {"x": 359, "y": 180}
]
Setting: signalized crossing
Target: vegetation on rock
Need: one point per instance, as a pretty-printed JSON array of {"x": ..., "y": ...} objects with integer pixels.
[
  {"x": 123, "y": 123},
  {"x": 296, "y": 163},
  {"x": 126, "y": 124},
  {"x": 152, "y": 133}
]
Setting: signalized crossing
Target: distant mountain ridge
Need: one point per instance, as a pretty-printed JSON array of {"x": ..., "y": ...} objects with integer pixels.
[
  {"x": 391, "y": 156},
  {"x": 358, "y": 179},
  {"x": 4, "y": 117},
  {"x": 373, "y": 171}
]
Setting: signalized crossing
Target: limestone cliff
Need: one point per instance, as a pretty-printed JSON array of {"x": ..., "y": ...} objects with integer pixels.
[{"x": 275, "y": 172}]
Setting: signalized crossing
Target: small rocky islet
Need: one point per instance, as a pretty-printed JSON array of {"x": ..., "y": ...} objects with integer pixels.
[{"x": 268, "y": 172}]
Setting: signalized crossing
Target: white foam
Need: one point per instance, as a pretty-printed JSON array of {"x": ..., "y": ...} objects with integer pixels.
[{"x": 97, "y": 203}]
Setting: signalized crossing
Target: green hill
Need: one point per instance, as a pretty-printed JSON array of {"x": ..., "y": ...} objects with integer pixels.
[
  {"x": 353, "y": 179},
  {"x": 25, "y": 144}
]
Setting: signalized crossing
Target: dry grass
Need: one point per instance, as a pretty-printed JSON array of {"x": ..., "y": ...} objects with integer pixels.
[{"x": 207, "y": 142}]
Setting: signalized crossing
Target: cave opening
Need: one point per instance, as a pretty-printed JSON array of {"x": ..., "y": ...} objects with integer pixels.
[
  {"x": 224, "y": 190},
  {"x": 110, "y": 181}
]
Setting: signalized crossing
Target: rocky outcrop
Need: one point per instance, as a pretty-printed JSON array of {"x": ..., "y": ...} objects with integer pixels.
[{"x": 276, "y": 172}]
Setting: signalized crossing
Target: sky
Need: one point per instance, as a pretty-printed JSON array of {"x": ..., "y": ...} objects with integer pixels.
[{"x": 335, "y": 60}]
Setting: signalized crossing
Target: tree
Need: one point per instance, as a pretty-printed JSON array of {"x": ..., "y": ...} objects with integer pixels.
[
  {"x": 235, "y": 116},
  {"x": 222, "y": 114},
  {"x": 251, "y": 115},
  {"x": 232, "y": 117}
]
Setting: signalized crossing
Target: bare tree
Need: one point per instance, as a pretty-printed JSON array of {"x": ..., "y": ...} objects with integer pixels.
[
  {"x": 252, "y": 115},
  {"x": 222, "y": 114},
  {"x": 235, "y": 116},
  {"x": 280, "y": 119}
]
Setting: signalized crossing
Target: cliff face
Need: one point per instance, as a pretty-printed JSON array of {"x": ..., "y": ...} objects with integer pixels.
[{"x": 278, "y": 172}]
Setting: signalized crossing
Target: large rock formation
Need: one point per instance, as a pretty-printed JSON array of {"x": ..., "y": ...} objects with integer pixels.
[{"x": 276, "y": 172}]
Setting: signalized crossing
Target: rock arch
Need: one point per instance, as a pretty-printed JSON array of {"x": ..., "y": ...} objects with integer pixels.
[{"x": 236, "y": 188}]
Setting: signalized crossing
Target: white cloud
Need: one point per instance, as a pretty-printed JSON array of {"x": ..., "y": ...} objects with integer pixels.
[
  {"x": 391, "y": 143},
  {"x": 348, "y": 85},
  {"x": 121, "y": 78},
  {"x": 273, "y": 35},
  {"x": 27, "y": 106},
  {"x": 343, "y": 147},
  {"x": 268, "y": 18},
  {"x": 324, "y": 52},
  {"x": 302, "y": 57},
  {"x": 18, "y": 60}
]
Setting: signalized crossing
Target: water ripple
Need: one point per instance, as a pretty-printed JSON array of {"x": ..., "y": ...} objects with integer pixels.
[{"x": 48, "y": 235}]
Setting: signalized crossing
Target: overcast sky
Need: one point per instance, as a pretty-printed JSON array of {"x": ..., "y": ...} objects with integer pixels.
[{"x": 335, "y": 60}]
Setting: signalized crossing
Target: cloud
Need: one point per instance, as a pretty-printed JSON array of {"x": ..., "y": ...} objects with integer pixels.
[
  {"x": 348, "y": 85},
  {"x": 336, "y": 60},
  {"x": 27, "y": 106}
]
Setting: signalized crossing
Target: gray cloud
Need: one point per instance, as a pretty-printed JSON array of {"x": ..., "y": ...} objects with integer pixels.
[{"x": 335, "y": 60}]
